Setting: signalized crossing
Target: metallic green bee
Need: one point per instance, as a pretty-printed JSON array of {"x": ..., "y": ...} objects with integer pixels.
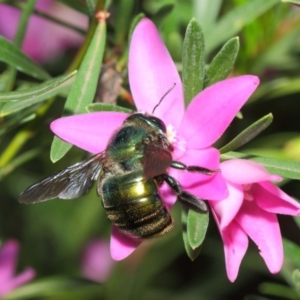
[{"x": 129, "y": 172}]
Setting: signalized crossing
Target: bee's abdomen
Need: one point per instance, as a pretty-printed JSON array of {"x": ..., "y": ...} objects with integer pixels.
[{"x": 135, "y": 206}]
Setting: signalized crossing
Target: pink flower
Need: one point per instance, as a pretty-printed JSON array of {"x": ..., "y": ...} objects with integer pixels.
[
  {"x": 8, "y": 260},
  {"x": 44, "y": 39},
  {"x": 192, "y": 131},
  {"x": 250, "y": 210},
  {"x": 97, "y": 263}
]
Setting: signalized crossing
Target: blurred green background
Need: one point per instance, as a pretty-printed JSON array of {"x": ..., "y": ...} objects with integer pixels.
[{"x": 53, "y": 234}]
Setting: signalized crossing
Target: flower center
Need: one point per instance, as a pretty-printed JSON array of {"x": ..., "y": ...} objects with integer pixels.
[
  {"x": 248, "y": 192},
  {"x": 178, "y": 142}
]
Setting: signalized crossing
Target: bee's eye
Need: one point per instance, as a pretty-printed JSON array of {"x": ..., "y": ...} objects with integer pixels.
[{"x": 158, "y": 123}]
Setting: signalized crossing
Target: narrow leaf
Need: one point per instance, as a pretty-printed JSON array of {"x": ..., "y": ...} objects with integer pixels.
[
  {"x": 197, "y": 224},
  {"x": 292, "y": 254},
  {"x": 19, "y": 36},
  {"x": 231, "y": 23},
  {"x": 277, "y": 291},
  {"x": 294, "y": 2},
  {"x": 222, "y": 63},
  {"x": 296, "y": 281},
  {"x": 285, "y": 168},
  {"x": 18, "y": 161},
  {"x": 91, "y": 6},
  {"x": 192, "y": 253},
  {"x": 45, "y": 288},
  {"x": 159, "y": 17},
  {"x": 123, "y": 12},
  {"x": 19, "y": 100},
  {"x": 206, "y": 13},
  {"x": 85, "y": 85},
  {"x": 134, "y": 22},
  {"x": 248, "y": 134},
  {"x": 77, "y": 5},
  {"x": 15, "y": 120},
  {"x": 12, "y": 55},
  {"x": 193, "y": 64},
  {"x": 27, "y": 10},
  {"x": 106, "y": 107}
]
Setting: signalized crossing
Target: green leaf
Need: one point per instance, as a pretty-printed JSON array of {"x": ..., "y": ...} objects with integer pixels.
[
  {"x": 91, "y": 6},
  {"x": 18, "y": 161},
  {"x": 197, "y": 224},
  {"x": 296, "y": 281},
  {"x": 279, "y": 291},
  {"x": 192, "y": 253},
  {"x": 193, "y": 64},
  {"x": 45, "y": 288},
  {"x": 248, "y": 134},
  {"x": 206, "y": 13},
  {"x": 14, "y": 121},
  {"x": 285, "y": 168},
  {"x": 26, "y": 12},
  {"x": 222, "y": 63},
  {"x": 134, "y": 22},
  {"x": 159, "y": 17},
  {"x": 294, "y": 2},
  {"x": 276, "y": 88},
  {"x": 5, "y": 80},
  {"x": 231, "y": 23},
  {"x": 123, "y": 12},
  {"x": 77, "y": 5},
  {"x": 19, "y": 100},
  {"x": 84, "y": 87},
  {"x": 124, "y": 58},
  {"x": 106, "y": 107},
  {"x": 12, "y": 55},
  {"x": 292, "y": 254}
]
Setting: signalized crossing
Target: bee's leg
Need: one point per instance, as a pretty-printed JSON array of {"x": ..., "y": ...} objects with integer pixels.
[
  {"x": 181, "y": 166},
  {"x": 186, "y": 198}
]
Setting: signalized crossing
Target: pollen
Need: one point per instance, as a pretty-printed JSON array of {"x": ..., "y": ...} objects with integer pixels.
[
  {"x": 171, "y": 134},
  {"x": 177, "y": 141}
]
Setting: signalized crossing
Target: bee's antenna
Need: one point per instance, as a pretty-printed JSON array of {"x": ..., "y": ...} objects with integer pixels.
[{"x": 163, "y": 97}]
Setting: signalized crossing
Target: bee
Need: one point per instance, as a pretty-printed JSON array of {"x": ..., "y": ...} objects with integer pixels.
[{"x": 129, "y": 173}]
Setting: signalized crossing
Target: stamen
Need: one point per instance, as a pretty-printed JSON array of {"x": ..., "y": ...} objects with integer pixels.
[
  {"x": 171, "y": 134},
  {"x": 178, "y": 143}
]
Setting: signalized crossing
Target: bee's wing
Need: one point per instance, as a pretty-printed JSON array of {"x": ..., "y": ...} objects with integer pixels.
[
  {"x": 156, "y": 160},
  {"x": 69, "y": 183}
]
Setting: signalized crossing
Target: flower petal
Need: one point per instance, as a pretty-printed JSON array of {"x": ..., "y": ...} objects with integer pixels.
[
  {"x": 97, "y": 263},
  {"x": 35, "y": 42},
  {"x": 227, "y": 209},
  {"x": 242, "y": 171},
  {"x": 235, "y": 246},
  {"x": 152, "y": 73},
  {"x": 91, "y": 131},
  {"x": 8, "y": 259},
  {"x": 214, "y": 188},
  {"x": 168, "y": 197},
  {"x": 272, "y": 199},
  {"x": 212, "y": 110},
  {"x": 11, "y": 284},
  {"x": 263, "y": 228},
  {"x": 210, "y": 187},
  {"x": 121, "y": 246}
]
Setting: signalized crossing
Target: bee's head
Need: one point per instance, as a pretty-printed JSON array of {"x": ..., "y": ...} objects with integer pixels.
[{"x": 143, "y": 120}]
